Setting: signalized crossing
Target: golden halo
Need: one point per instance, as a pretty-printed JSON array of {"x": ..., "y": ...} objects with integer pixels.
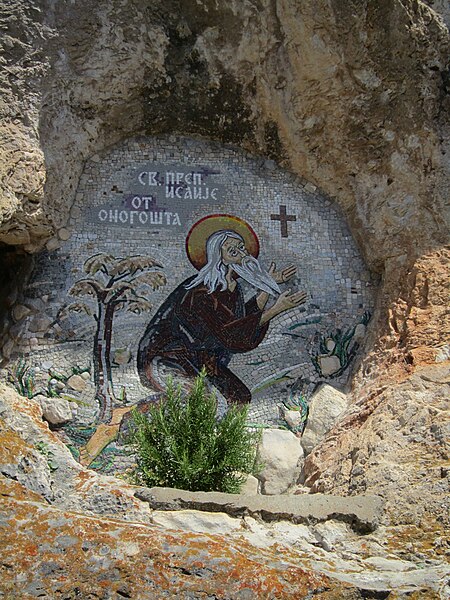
[{"x": 200, "y": 232}]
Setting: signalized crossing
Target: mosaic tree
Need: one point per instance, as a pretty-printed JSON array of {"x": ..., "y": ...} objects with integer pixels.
[{"x": 113, "y": 284}]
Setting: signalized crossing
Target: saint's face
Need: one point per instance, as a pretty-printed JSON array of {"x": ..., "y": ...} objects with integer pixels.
[{"x": 233, "y": 251}]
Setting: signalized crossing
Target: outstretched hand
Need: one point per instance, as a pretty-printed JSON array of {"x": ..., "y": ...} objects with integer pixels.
[
  {"x": 284, "y": 275},
  {"x": 287, "y": 301}
]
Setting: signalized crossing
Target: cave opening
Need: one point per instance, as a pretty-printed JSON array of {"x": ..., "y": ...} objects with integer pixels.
[{"x": 15, "y": 268}]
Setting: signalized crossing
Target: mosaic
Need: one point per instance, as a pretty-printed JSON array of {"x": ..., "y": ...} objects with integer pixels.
[{"x": 182, "y": 254}]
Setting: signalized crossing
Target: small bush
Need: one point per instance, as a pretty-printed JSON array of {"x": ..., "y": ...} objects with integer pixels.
[{"x": 181, "y": 444}]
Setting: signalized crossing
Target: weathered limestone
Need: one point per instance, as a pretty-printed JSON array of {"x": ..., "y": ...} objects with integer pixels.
[
  {"x": 362, "y": 512},
  {"x": 197, "y": 521},
  {"x": 393, "y": 443},
  {"x": 281, "y": 454},
  {"x": 324, "y": 409},
  {"x": 77, "y": 383},
  {"x": 55, "y": 410},
  {"x": 65, "y": 516},
  {"x": 251, "y": 486}
]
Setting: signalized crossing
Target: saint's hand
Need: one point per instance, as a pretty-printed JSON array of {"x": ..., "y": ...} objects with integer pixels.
[
  {"x": 284, "y": 275},
  {"x": 287, "y": 301}
]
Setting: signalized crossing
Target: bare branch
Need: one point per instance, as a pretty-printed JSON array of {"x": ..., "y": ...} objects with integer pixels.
[{"x": 118, "y": 289}]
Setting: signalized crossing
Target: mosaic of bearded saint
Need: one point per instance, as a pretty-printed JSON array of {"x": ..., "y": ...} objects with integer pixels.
[{"x": 205, "y": 320}]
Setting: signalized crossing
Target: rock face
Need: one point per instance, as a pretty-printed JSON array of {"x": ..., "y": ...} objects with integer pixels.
[
  {"x": 342, "y": 118},
  {"x": 394, "y": 442},
  {"x": 65, "y": 527},
  {"x": 335, "y": 112},
  {"x": 182, "y": 73}
]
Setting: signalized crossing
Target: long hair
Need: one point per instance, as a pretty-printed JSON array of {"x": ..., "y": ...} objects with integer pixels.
[{"x": 213, "y": 273}]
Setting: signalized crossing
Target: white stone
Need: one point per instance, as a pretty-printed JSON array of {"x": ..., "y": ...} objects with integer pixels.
[
  {"x": 329, "y": 365},
  {"x": 55, "y": 410},
  {"x": 325, "y": 406},
  {"x": 282, "y": 454},
  {"x": 76, "y": 383},
  {"x": 85, "y": 375},
  {"x": 330, "y": 533},
  {"x": 291, "y": 533},
  {"x": 389, "y": 564},
  {"x": 250, "y": 487},
  {"x": 197, "y": 521},
  {"x": 257, "y": 533},
  {"x": 292, "y": 417}
]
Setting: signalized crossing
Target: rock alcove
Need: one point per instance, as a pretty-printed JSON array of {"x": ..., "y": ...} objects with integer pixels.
[
  {"x": 352, "y": 99},
  {"x": 139, "y": 205}
]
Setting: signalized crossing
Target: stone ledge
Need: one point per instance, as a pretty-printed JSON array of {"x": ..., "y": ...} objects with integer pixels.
[{"x": 362, "y": 513}]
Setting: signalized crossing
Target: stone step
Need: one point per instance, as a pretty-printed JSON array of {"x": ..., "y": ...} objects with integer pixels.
[{"x": 362, "y": 513}]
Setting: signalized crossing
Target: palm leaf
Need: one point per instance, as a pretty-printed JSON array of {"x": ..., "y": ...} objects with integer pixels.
[
  {"x": 132, "y": 264},
  {"x": 96, "y": 262},
  {"x": 117, "y": 290},
  {"x": 155, "y": 279},
  {"x": 77, "y": 307},
  {"x": 86, "y": 287}
]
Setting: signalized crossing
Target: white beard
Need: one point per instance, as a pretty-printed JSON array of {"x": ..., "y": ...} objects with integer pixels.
[{"x": 252, "y": 273}]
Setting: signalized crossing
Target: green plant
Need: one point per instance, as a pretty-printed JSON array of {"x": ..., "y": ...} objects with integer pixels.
[
  {"x": 77, "y": 370},
  {"x": 181, "y": 444},
  {"x": 22, "y": 377},
  {"x": 43, "y": 448},
  {"x": 297, "y": 402}
]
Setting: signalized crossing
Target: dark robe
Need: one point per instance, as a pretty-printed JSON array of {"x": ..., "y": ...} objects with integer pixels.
[{"x": 194, "y": 329}]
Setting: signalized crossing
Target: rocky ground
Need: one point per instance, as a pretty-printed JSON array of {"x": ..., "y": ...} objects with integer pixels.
[{"x": 68, "y": 532}]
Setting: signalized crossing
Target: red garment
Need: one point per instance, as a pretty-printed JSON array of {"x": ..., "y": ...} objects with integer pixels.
[{"x": 193, "y": 329}]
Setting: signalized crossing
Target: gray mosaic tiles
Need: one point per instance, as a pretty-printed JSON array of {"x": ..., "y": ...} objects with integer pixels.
[{"x": 141, "y": 198}]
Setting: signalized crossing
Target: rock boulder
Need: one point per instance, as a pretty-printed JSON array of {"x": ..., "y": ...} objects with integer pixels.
[
  {"x": 55, "y": 410},
  {"x": 325, "y": 407},
  {"x": 282, "y": 454}
]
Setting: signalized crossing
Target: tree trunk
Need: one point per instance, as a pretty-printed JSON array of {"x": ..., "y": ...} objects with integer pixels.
[{"x": 102, "y": 362}]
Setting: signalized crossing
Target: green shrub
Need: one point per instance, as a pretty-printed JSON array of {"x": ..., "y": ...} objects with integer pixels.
[{"x": 181, "y": 444}]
